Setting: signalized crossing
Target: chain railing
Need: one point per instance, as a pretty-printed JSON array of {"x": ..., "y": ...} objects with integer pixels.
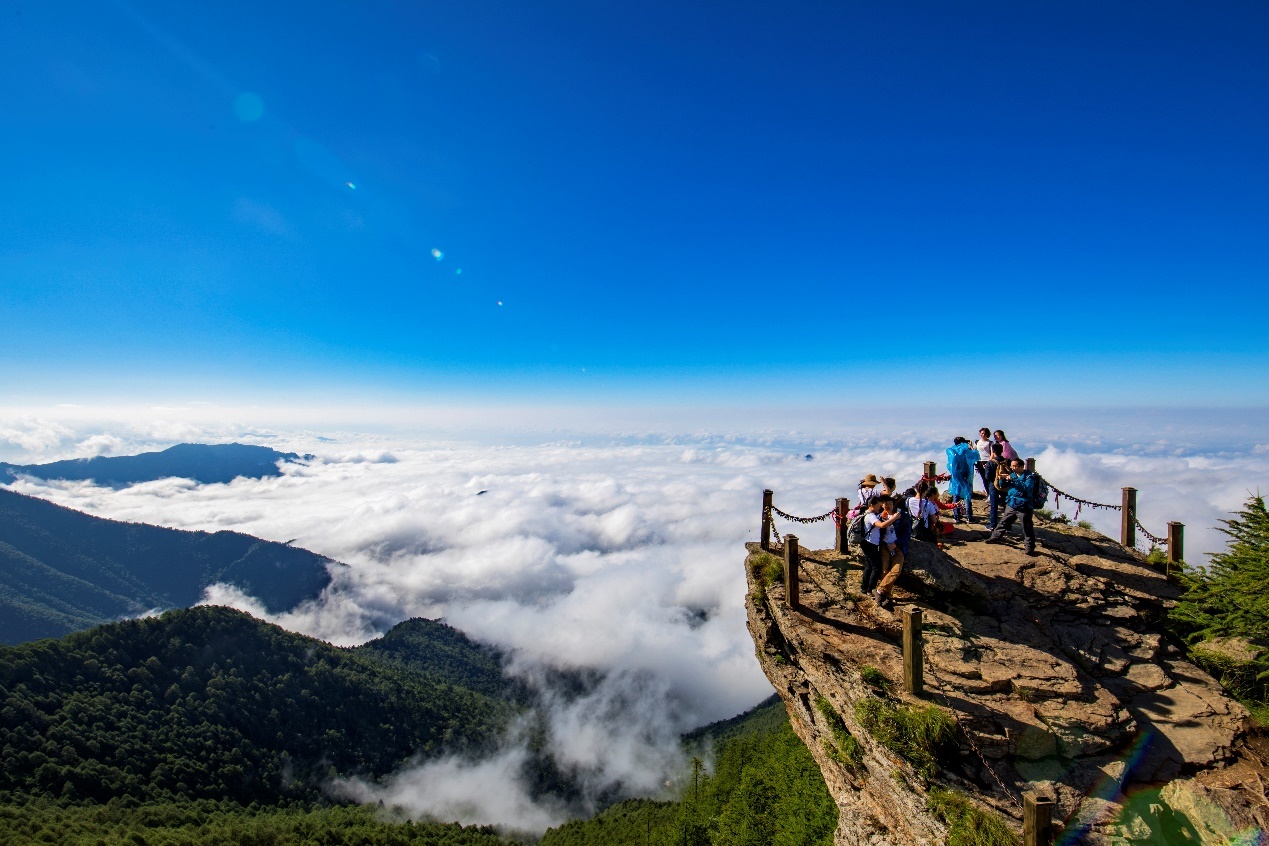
[
  {"x": 1060, "y": 495},
  {"x": 804, "y": 520},
  {"x": 1154, "y": 539},
  {"x": 965, "y": 732}
]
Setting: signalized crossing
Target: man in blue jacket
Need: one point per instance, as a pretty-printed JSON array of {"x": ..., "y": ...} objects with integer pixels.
[{"x": 1019, "y": 487}]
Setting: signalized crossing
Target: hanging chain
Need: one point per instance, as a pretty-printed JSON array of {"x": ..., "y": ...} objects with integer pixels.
[{"x": 925, "y": 660}]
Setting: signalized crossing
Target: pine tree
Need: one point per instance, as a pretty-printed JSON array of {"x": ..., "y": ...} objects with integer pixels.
[{"x": 1230, "y": 599}]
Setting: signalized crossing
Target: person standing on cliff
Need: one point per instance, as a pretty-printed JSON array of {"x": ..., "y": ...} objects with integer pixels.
[
  {"x": 876, "y": 526},
  {"x": 1011, "y": 454},
  {"x": 867, "y": 489},
  {"x": 994, "y": 467},
  {"x": 961, "y": 458},
  {"x": 983, "y": 445},
  {"x": 891, "y": 553},
  {"x": 1019, "y": 487}
]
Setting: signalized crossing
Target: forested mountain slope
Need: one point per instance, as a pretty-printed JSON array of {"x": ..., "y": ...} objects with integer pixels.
[
  {"x": 206, "y": 463},
  {"x": 763, "y": 787},
  {"x": 63, "y": 570},
  {"x": 211, "y": 703}
]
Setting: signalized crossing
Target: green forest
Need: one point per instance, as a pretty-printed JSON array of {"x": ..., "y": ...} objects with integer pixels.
[
  {"x": 62, "y": 570},
  {"x": 205, "y": 823},
  {"x": 210, "y": 703},
  {"x": 764, "y": 789}
]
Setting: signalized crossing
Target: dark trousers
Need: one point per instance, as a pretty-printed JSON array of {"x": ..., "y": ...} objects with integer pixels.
[
  {"x": 981, "y": 467},
  {"x": 872, "y": 566},
  {"x": 1011, "y": 514}
]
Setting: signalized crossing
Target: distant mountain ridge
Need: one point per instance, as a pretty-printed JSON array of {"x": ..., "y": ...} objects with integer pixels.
[
  {"x": 62, "y": 570},
  {"x": 205, "y": 463}
]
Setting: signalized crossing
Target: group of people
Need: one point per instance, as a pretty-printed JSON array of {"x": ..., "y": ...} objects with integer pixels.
[{"x": 884, "y": 521}]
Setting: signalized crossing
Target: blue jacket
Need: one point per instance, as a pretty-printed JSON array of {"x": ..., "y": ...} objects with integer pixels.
[
  {"x": 960, "y": 466},
  {"x": 1020, "y": 490}
]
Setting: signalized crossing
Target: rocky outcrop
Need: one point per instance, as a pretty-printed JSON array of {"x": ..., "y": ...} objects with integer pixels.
[{"x": 1057, "y": 673}]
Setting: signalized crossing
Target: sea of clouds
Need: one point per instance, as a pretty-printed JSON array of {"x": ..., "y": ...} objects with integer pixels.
[{"x": 617, "y": 553}]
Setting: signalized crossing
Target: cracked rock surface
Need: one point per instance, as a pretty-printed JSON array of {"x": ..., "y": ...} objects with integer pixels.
[{"x": 1057, "y": 672}]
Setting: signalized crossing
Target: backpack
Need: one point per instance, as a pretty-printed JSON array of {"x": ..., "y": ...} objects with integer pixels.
[
  {"x": 903, "y": 526},
  {"x": 855, "y": 530},
  {"x": 1039, "y": 491}
]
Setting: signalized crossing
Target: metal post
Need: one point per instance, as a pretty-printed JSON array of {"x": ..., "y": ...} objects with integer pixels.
[
  {"x": 843, "y": 506},
  {"x": 912, "y": 681},
  {"x": 1030, "y": 465},
  {"x": 1127, "y": 513},
  {"x": 1176, "y": 548},
  {"x": 766, "y": 519},
  {"x": 1037, "y": 819},
  {"x": 791, "y": 570},
  {"x": 931, "y": 470}
]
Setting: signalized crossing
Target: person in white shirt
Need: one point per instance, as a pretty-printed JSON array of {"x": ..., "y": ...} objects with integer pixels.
[
  {"x": 867, "y": 489},
  {"x": 875, "y": 526},
  {"x": 923, "y": 512},
  {"x": 983, "y": 445}
]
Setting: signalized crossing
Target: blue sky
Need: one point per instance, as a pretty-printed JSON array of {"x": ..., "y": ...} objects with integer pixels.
[{"x": 670, "y": 201}]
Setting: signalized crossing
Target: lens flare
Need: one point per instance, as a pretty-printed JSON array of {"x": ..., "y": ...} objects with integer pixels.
[
  {"x": 350, "y": 185},
  {"x": 248, "y": 107},
  {"x": 437, "y": 254}
]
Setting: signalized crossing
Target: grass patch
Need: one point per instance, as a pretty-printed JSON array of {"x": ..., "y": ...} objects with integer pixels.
[
  {"x": 916, "y": 735},
  {"x": 845, "y": 749},
  {"x": 874, "y": 678},
  {"x": 1026, "y": 694},
  {"x": 767, "y": 569},
  {"x": 968, "y": 824},
  {"x": 1084, "y": 524}
]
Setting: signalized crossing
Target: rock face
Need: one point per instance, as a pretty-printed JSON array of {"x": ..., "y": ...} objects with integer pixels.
[{"x": 1057, "y": 674}]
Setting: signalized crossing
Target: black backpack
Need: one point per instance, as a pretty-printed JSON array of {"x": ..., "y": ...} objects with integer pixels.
[{"x": 855, "y": 531}]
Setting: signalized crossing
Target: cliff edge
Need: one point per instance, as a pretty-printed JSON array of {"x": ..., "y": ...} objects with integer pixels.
[{"x": 1050, "y": 675}]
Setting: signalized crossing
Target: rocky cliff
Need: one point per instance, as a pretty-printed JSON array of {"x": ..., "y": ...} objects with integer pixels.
[{"x": 1048, "y": 674}]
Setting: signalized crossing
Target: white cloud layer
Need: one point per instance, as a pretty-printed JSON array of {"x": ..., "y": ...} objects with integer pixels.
[{"x": 619, "y": 554}]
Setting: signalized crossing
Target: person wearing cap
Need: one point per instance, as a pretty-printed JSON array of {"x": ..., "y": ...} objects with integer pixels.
[{"x": 867, "y": 489}]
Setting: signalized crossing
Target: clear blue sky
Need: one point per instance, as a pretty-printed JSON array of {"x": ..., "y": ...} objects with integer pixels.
[{"x": 680, "y": 198}]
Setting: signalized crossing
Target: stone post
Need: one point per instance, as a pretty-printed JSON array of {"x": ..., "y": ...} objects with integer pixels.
[
  {"x": 843, "y": 506},
  {"x": 1128, "y": 511},
  {"x": 1030, "y": 465},
  {"x": 912, "y": 681},
  {"x": 1037, "y": 819},
  {"x": 766, "y": 519},
  {"x": 931, "y": 470},
  {"x": 791, "y": 571},
  {"x": 1176, "y": 548}
]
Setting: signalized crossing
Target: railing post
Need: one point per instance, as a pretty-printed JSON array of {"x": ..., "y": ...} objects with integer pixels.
[
  {"x": 912, "y": 681},
  {"x": 791, "y": 570},
  {"x": 1176, "y": 548},
  {"x": 931, "y": 470},
  {"x": 1037, "y": 817},
  {"x": 843, "y": 506},
  {"x": 1030, "y": 465},
  {"x": 1128, "y": 511},
  {"x": 766, "y": 519}
]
